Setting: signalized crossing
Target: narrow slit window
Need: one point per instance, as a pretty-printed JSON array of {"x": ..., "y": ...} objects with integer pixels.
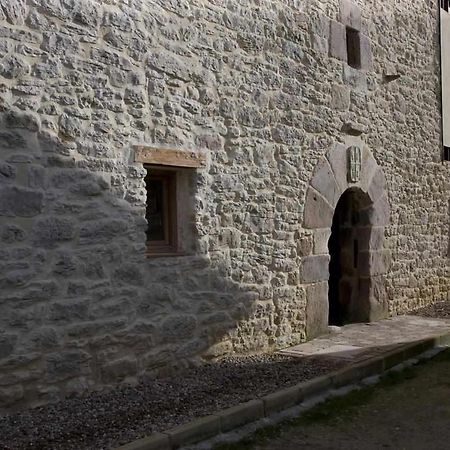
[
  {"x": 446, "y": 153},
  {"x": 161, "y": 211},
  {"x": 353, "y": 48}
]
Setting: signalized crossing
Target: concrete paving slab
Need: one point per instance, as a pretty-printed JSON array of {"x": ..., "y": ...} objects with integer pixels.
[{"x": 358, "y": 342}]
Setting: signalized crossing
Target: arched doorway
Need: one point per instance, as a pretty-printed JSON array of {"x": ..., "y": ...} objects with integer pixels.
[
  {"x": 362, "y": 215},
  {"x": 348, "y": 296}
]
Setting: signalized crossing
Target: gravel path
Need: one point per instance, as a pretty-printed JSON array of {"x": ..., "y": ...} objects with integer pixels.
[
  {"x": 106, "y": 420},
  {"x": 438, "y": 310}
]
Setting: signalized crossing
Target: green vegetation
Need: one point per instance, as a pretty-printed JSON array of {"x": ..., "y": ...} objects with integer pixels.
[{"x": 336, "y": 409}]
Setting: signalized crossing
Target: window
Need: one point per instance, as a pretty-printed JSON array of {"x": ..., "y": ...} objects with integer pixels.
[
  {"x": 161, "y": 212},
  {"x": 171, "y": 184},
  {"x": 446, "y": 153},
  {"x": 445, "y": 4},
  {"x": 353, "y": 48}
]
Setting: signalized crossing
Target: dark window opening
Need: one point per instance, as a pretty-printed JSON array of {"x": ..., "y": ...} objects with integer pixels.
[
  {"x": 446, "y": 153},
  {"x": 445, "y": 4},
  {"x": 161, "y": 211},
  {"x": 353, "y": 48}
]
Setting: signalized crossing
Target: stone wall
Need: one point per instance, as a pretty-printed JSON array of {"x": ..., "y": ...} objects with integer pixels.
[{"x": 264, "y": 89}]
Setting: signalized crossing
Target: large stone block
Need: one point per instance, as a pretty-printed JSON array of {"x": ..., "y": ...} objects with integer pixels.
[
  {"x": 14, "y": 10},
  {"x": 12, "y": 233},
  {"x": 178, "y": 328},
  {"x": 379, "y": 213},
  {"x": 15, "y": 201},
  {"x": 377, "y": 185},
  {"x": 69, "y": 311},
  {"x": 23, "y": 119},
  {"x": 366, "y": 53},
  {"x": 70, "y": 127},
  {"x": 374, "y": 290},
  {"x": 67, "y": 364},
  {"x": 318, "y": 212},
  {"x": 321, "y": 238},
  {"x": 102, "y": 231},
  {"x": 50, "y": 230},
  {"x": 340, "y": 97},
  {"x": 338, "y": 41},
  {"x": 355, "y": 78},
  {"x": 14, "y": 67},
  {"x": 350, "y": 14},
  {"x": 337, "y": 157},
  {"x": 119, "y": 369},
  {"x": 316, "y": 310},
  {"x": 7, "y": 172},
  {"x": 315, "y": 268},
  {"x": 323, "y": 181}
]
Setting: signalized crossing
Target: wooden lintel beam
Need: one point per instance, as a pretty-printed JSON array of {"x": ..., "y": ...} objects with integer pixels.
[{"x": 169, "y": 157}]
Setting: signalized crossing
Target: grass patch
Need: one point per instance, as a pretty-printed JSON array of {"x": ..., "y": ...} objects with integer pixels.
[
  {"x": 333, "y": 410},
  {"x": 259, "y": 436},
  {"x": 394, "y": 378},
  {"x": 337, "y": 407}
]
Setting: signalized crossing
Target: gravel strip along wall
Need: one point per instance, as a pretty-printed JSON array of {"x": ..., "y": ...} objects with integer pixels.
[
  {"x": 265, "y": 90},
  {"x": 104, "y": 420}
]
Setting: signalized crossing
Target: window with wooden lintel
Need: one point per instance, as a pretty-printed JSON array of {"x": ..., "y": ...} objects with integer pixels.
[{"x": 170, "y": 185}]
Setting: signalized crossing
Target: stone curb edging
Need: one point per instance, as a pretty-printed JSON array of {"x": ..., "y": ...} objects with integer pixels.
[{"x": 236, "y": 416}]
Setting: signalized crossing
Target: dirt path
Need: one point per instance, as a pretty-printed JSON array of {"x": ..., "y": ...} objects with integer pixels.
[{"x": 409, "y": 411}]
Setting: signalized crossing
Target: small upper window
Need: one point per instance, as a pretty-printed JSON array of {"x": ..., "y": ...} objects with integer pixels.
[
  {"x": 161, "y": 211},
  {"x": 446, "y": 153},
  {"x": 353, "y": 48},
  {"x": 445, "y": 4}
]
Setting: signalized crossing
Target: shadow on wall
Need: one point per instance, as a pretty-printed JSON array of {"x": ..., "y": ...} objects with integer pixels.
[{"x": 82, "y": 308}]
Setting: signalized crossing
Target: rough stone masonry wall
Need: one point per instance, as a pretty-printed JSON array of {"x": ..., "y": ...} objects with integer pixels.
[{"x": 253, "y": 84}]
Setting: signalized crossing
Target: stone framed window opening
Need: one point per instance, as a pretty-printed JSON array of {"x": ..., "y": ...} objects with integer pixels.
[
  {"x": 353, "y": 43},
  {"x": 170, "y": 184}
]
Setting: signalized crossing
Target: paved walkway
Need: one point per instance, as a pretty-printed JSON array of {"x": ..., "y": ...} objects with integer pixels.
[{"x": 358, "y": 342}]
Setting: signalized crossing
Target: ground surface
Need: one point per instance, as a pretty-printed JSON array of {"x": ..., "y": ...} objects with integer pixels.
[
  {"x": 409, "y": 410},
  {"x": 102, "y": 421},
  {"x": 106, "y": 420}
]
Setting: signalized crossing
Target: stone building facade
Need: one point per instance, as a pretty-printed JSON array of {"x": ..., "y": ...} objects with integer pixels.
[{"x": 312, "y": 117}]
